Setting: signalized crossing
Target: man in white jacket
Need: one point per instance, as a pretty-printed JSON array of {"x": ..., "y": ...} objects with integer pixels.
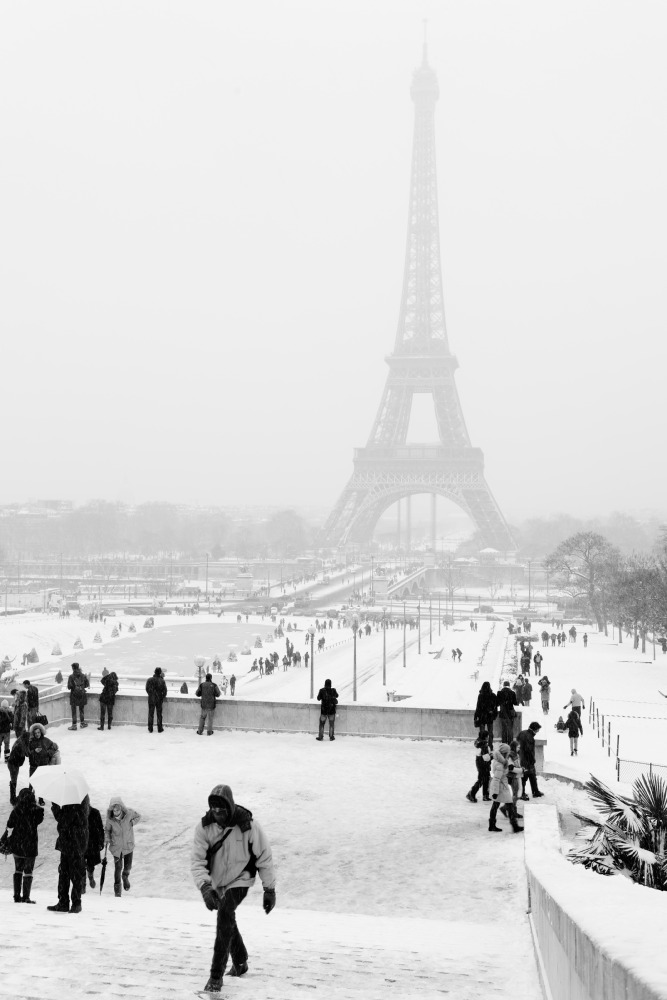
[{"x": 229, "y": 848}]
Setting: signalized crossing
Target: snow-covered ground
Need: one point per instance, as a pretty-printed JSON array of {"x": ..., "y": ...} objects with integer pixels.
[{"x": 388, "y": 883}]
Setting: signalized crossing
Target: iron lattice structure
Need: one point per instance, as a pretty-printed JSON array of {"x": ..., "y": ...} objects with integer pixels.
[{"x": 388, "y": 469}]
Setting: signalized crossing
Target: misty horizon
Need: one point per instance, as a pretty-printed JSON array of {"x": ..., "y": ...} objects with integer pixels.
[{"x": 203, "y": 248}]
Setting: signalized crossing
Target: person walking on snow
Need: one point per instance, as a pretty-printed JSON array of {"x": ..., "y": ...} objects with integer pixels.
[
  {"x": 574, "y": 731},
  {"x": 6, "y": 720},
  {"x": 72, "y": 843},
  {"x": 483, "y": 765},
  {"x": 585, "y": 639},
  {"x": 229, "y": 848},
  {"x": 486, "y": 710},
  {"x": 77, "y": 682},
  {"x": 544, "y": 685},
  {"x": 328, "y": 698},
  {"x": 576, "y": 702},
  {"x": 527, "y": 756},
  {"x": 119, "y": 837},
  {"x": 501, "y": 793},
  {"x": 23, "y": 821},
  {"x": 537, "y": 660},
  {"x": 93, "y": 856}
]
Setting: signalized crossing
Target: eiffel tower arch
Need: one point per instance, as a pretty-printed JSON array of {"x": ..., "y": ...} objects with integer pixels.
[{"x": 388, "y": 469}]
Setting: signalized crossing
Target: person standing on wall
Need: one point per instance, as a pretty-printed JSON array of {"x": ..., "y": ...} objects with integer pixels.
[
  {"x": 208, "y": 692},
  {"x": 156, "y": 689},
  {"x": 77, "y": 682}
]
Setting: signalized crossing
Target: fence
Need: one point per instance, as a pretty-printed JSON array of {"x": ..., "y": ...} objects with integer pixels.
[{"x": 626, "y": 770}]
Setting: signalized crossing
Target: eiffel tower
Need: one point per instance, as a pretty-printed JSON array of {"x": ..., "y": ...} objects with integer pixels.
[{"x": 388, "y": 469}]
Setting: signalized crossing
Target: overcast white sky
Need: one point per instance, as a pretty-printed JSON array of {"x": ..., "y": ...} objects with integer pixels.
[{"x": 202, "y": 234}]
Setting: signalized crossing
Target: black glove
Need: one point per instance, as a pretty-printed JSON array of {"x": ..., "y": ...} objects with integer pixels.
[
  {"x": 269, "y": 900},
  {"x": 510, "y": 767},
  {"x": 494, "y": 797},
  {"x": 211, "y": 897}
]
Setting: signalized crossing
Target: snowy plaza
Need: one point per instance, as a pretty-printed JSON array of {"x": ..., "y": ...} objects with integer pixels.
[{"x": 388, "y": 882}]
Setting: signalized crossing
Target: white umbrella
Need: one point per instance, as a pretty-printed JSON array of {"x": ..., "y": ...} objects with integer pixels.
[{"x": 63, "y": 785}]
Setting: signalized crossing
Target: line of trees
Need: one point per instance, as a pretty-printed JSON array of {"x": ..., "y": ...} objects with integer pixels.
[{"x": 629, "y": 591}]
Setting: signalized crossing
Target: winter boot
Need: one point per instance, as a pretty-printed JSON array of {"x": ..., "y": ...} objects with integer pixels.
[
  {"x": 72, "y": 727},
  {"x": 517, "y": 827},
  {"x": 470, "y": 797},
  {"x": 495, "y": 829},
  {"x": 83, "y": 726},
  {"x": 126, "y": 881},
  {"x": 239, "y": 970},
  {"x": 91, "y": 879},
  {"x": 59, "y": 908},
  {"x": 75, "y": 908},
  {"x": 213, "y": 985},
  {"x": 100, "y": 728},
  {"x": 319, "y": 737},
  {"x": 18, "y": 878},
  {"x": 27, "y": 886}
]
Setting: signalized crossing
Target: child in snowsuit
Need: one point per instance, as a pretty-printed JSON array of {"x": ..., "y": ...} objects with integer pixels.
[
  {"x": 119, "y": 835},
  {"x": 23, "y": 821},
  {"x": 560, "y": 725},
  {"x": 574, "y": 730},
  {"x": 483, "y": 764}
]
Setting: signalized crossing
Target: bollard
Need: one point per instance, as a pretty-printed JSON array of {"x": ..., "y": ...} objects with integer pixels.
[
  {"x": 603, "y": 729},
  {"x": 609, "y": 739},
  {"x": 598, "y": 722}
]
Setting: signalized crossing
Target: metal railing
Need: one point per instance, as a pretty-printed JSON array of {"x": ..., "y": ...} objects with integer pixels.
[
  {"x": 601, "y": 723},
  {"x": 629, "y": 770}
]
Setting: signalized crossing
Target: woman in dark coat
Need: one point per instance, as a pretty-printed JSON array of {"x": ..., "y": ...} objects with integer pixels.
[
  {"x": 574, "y": 731},
  {"x": 108, "y": 698},
  {"x": 95, "y": 845},
  {"x": 487, "y": 709},
  {"x": 23, "y": 821}
]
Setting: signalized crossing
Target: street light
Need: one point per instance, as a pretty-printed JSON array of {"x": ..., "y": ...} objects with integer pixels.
[
  {"x": 311, "y": 633},
  {"x": 439, "y": 622},
  {"x": 355, "y": 622},
  {"x": 199, "y": 664},
  {"x": 430, "y": 619},
  {"x": 384, "y": 647},
  {"x": 419, "y": 626}
]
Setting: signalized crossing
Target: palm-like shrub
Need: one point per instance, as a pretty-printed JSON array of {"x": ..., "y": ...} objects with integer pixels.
[{"x": 632, "y": 838}]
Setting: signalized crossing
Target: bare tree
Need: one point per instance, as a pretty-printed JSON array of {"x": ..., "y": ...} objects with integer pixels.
[{"x": 581, "y": 566}]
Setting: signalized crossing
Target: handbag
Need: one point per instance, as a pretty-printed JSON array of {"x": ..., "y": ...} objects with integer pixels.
[{"x": 4, "y": 844}]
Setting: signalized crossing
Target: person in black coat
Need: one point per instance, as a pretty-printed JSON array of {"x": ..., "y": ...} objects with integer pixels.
[
  {"x": 39, "y": 750},
  {"x": 328, "y": 696},
  {"x": 507, "y": 712},
  {"x": 574, "y": 731},
  {"x": 6, "y": 720},
  {"x": 77, "y": 682},
  {"x": 486, "y": 710},
  {"x": 23, "y": 821},
  {"x": 108, "y": 698},
  {"x": 156, "y": 689},
  {"x": 93, "y": 856},
  {"x": 526, "y": 741},
  {"x": 72, "y": 843}
]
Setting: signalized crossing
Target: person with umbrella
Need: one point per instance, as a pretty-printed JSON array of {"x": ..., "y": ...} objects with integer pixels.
[
  {"x": 229, "y": 848},
  {"x": 23, "y": 821},
  {"x": 119, "y": 837},
  {"x": 37, "y": 748},
  {"x": 72, "y": 842}
]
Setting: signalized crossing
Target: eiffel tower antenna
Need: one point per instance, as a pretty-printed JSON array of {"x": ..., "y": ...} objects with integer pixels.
[
  {"x": 388, "y": 469},
  {"x": 425, "y": 57}
]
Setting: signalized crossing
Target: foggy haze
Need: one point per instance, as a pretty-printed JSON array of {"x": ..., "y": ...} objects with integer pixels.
[{"x": 203, "y": 238}]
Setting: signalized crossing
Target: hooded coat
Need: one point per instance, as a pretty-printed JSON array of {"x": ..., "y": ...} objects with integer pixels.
[
  {"x": 39, "y": 752},
  {"x": 119, "y": 833},
  {"x": 245, "y": 851},
  {"x": 329, "y": 698},
  {"x": 23, "y": 821},
  {"x": 156, "y": 689},
  {"x": 95, "y": 838},
  {"x": 109, "y": 689},
  {"x": 487, "y": 706},
  {"x": 72, "y": 823},
  {"x": 526, "y": 741},
  {"x": 500, "y": 765}
]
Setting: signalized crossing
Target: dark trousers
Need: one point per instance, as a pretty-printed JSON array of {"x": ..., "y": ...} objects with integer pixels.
[
  {"x": 529, "y": 775},
  {"x": 24, "y": 865},
  {"x": 577, "y": 709},
  {"x": 72, "y": 869},
  {"x": 121, "y": 865},
  {"x": 206, "y": 718},
  {"x": 228, "y": 940},
  {"x": 483, "y": 776},
  {"x": 109, "y": 712},
  {"x": 323, "y": 719},
  {"x": 512, "y": 814},
  {"x": 74, "y": 708},
  {"x": 4, "y": 738},
  {"x": 153, "y": 707},
  {"x": 506, "y": 729}
]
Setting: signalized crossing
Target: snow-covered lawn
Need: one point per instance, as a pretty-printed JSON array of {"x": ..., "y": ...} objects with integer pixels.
[{"x": 388, "y": 882}]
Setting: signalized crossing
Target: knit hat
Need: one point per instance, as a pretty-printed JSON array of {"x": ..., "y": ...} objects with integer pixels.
[{"x": 504, "y": 748}]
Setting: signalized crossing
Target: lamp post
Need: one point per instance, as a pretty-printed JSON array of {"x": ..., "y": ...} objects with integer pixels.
[
  {"x": 384, "y": 647},
  {"x": 355, "y": 622},
  {"x": 419, "y": 626},
  {"x": 404, "y": 663},
  {"x": 311, "y": 633},
  {"x": 207, "y": 576},
  {"x": 439, "y": 622},
  {"x": 199, "y": 664},
  {"x": 430, "y": 619},
  {"x": 529, "y": 562}
]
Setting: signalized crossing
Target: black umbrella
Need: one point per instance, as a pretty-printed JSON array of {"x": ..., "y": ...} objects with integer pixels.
[{"x": 104, "y": 868}]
